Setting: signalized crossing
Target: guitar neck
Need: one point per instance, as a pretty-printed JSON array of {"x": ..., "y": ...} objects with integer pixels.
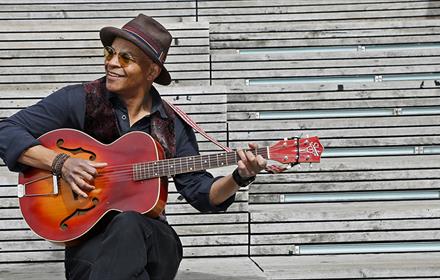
[{"x": 169, "y": 167}]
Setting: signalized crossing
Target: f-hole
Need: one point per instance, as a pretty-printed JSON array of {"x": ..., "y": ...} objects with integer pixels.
[
  {"x": 78, "y": 212},
  {"x": 76, "y": 151}
]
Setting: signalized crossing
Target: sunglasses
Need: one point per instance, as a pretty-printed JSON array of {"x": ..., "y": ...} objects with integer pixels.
[{"x": 124, "y": 58}]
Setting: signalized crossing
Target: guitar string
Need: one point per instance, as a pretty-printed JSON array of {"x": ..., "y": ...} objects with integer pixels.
[
  {"x": 259, "y": 151},
  {"x": 127, "y": 174},
  {"x": 123, "y": 171},
  {"x": 161, "y": 164},
  {"x": 162, "y": 168}
]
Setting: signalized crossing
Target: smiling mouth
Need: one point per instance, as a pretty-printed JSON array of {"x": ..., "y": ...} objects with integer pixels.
[{"x": 115, "y": 75}]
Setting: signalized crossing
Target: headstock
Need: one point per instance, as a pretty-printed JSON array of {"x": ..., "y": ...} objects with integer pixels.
[{"x": 296, "y": 150}]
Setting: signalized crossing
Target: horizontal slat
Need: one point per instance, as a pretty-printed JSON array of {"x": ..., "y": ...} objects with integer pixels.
[
  {"x": 9, "y": 55},
  {"x": 308, "y": 175},
  {"x": 303, "y": 105},
  {"x": 345, "y": 211},
  {"x": 238, "y": 99},
  {"x": 335, "y": 123},
  {"x": 185, "y": 224},
  {"x": 172, "y": 200},
  {"x": 181, "y": 208},
  {"x": 71, "y": 6},
  {"x": 270, "y": 192},
  {"x": 191, "y": 78},
  {"x": 286, "y": 92},
  {"x": 35, "y": 256},
  {"x": 288, "y": 239},
  {"x": 324, "y": 58},
  {"x": 88, "y": 24},
  {"x": 329, "y": 16},
  {"x": 208, "y": 240},
  {"x": 188, "y": 13},
  {"x": 340, "y": 134},
  {"x": 237, "y": 209},
  {"x": 354, "y": 266},
  {"x": 39, "y": 256},
  {"x": 343, "y": 226},
  {"x": 216, "y": 251},
  {"x": 27, "y": 60},
  {"x": 207, "y": 8},
  {"x": 190, "y": 268},
  {"x": 318, "y": 28},
  {"x": 197, "y": 39}
]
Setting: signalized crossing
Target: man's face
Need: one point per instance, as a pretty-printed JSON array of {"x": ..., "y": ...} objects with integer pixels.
[{"x": 128, "y": 70}]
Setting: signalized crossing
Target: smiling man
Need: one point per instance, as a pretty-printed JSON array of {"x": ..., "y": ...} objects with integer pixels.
[{"x": 125, "y": 245}]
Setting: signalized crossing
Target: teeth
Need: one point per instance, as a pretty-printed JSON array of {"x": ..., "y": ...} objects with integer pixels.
[{"x": 114, "y": 74}]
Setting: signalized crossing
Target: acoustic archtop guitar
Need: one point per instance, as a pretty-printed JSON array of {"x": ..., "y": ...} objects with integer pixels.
[{"x": 135, "y": 179}]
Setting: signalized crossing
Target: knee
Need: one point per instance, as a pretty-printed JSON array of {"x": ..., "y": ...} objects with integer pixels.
[{"x": 128, "y": 221}]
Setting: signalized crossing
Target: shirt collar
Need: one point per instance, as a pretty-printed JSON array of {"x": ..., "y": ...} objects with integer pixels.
[{"x": 157, "y": 102}]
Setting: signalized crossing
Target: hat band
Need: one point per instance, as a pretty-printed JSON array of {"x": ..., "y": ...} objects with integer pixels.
[{"x": 149, "y": 45}]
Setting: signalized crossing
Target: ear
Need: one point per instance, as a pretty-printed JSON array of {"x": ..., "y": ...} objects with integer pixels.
[{"x": 153, "y": 72}]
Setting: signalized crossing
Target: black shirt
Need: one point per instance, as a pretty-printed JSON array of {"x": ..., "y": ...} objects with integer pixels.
[{"x": 65, "y": 108}]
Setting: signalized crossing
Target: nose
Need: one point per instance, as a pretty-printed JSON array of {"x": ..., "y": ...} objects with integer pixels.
[{"x": 114, "y": 61}]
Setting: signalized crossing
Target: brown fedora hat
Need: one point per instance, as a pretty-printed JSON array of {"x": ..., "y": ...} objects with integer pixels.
[{"x": 147, "y": 34}]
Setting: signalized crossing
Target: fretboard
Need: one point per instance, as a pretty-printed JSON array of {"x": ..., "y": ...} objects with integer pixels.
[{"x": 169, "y": 167}]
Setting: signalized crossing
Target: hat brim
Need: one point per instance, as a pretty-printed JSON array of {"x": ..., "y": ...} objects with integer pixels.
[{"x": 108, "y": 35}]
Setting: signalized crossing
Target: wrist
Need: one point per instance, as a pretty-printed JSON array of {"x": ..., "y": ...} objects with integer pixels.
[
  {"x": 57, "y": 164},
  {"x": 242, "y": 181}
]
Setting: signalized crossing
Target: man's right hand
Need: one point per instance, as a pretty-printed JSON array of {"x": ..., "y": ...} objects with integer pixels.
[{"x": 80, "y": 173}]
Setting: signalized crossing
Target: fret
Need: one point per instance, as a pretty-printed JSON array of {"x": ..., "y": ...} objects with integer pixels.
[
  {"x": 139, "y": 171},
  {"x": 163, "y": 169},
  {"x": 169, "y": 167},
  {"x": 190, "y": 159},
  {"x": 135, "y": 174},
  {"x": 155, "y": 169},
  {"x": 202, "y": 161},
  {"x": 232, "y": 158}
]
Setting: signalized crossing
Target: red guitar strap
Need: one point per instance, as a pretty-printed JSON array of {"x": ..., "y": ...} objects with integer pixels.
[{"x": 195, "y": 126}]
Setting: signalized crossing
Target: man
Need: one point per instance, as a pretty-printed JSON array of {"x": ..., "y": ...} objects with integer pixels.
[{"x": 130, "y": 245}]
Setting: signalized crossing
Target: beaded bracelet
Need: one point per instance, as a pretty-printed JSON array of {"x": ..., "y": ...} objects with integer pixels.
[{"x": 58, "y": 162}]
